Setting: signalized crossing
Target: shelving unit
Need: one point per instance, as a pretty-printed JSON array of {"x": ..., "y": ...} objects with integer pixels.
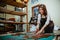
[{"x": 16, "y": 4}]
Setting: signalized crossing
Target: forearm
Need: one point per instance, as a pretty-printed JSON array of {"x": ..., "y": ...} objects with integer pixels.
[{"x": 42, "y": 29}]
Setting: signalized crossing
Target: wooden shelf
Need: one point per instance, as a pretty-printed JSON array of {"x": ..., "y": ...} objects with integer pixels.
[
  {"x": 6, "y": 22},
  {"x": 13, "y": 3},
  {"x": 11, "y": 12}
]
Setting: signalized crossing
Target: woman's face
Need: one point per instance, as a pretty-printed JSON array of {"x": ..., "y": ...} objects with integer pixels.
[{"x": 41, "y": 11}]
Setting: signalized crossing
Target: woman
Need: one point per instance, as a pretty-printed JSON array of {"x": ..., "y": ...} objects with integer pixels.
[{"x": 44, "y": 21}]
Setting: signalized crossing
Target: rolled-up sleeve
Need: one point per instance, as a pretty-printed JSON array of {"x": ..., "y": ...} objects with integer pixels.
[
  {"x": 38, "y": 21},
  {"x": 39, "y": 18}
]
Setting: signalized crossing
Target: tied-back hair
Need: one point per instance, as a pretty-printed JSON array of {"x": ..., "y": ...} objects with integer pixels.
[{"x": 44, "y": 9}]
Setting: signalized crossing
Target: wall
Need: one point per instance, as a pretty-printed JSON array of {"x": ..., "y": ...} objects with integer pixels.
[{"x": 53, "y": 7}]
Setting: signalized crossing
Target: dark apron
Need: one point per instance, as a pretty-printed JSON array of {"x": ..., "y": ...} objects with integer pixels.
[{"x": 50, "y": 26}]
